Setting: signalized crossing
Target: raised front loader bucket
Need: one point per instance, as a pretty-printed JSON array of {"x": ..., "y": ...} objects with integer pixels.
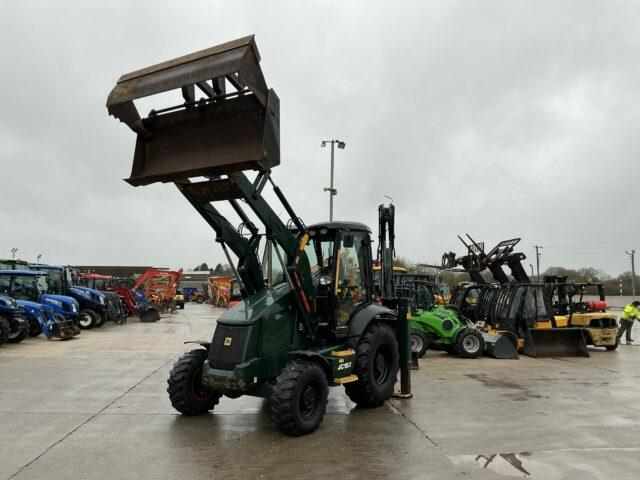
[
  {"x": 149, "y": 315},
  {"x": 555, "y": 342},
  {"x": 220, "y": 133},
  {"x": 498, "y": 345}
]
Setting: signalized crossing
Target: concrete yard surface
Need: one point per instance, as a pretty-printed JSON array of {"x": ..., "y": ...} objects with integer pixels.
[{"x": 96, "y": 407}]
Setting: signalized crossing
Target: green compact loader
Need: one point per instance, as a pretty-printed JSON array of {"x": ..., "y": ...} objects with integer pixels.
[
  {"x": 438, "y": 326},
  {"x": 307, "y": 320}
]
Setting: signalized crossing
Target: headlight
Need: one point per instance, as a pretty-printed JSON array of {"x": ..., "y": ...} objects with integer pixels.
[{"x": 101, "y": 300}]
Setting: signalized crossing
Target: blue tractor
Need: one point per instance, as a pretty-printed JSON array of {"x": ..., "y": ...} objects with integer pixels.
[
  {"x": 38, "y": 310},
  {"x": 13, "y": 326},
  {"x": 93, "y": 304}
]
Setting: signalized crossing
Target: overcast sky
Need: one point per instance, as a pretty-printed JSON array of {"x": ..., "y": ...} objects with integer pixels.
[{"x": 497, "y": 118}]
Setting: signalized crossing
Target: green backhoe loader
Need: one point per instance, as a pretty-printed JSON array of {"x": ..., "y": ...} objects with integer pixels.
[{"x": 308, "y": 319}]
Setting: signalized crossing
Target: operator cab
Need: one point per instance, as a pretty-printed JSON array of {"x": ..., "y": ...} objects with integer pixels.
[
  {"x": 340, "y": 259},
  {"x": 23, "y": 284}
]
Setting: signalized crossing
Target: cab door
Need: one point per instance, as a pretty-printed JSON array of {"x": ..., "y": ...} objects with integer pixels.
[{"x": 352, "y": 282}]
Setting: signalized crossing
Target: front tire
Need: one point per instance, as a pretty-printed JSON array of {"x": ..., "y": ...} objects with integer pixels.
[
  {"x": 35, "y": 329},
  {"x": 419, "y": 343},
  {"x": 377, "y": 364},
  {"x": 469, "y": 343},
  {"x": 21, "y": 332},
  {"x": 186, "y": 392},
  {"x": 5, "y": 330},
  {"x": 299, "y": 398},
  {"x": 87, "y": 319}
]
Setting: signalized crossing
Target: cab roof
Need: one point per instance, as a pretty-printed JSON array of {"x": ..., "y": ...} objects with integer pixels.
[
  {"x": 44, "y": 266},
  {"x": 340, "y": 226},
  {"x": 22, "y": 273},
  {"x": 95, "y": 276}
]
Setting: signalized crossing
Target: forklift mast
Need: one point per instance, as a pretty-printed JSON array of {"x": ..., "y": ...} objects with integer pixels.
[
  {"x": 386, "y": 250},
  {"x": 478, "y": 260}
]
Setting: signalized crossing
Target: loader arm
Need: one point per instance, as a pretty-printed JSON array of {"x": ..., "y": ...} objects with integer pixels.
[{"x": 248, "y": 268}]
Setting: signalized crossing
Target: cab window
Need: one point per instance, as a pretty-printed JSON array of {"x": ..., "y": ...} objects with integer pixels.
[{"x": 351, "y": 285}]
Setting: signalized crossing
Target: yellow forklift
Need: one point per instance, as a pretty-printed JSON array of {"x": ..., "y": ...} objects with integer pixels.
[{"x": 524, "y": 311}]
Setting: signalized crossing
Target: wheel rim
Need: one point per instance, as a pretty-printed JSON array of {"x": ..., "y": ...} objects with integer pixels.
[
  {"x": 309, "y": 401},
  {"x": 381, "y": 365},
  {"x": 471, "y": 343},
  {"x": 85, "y": 319},
  {"x": 416, "y": 343},
  {"x": 200, "y": 393}
]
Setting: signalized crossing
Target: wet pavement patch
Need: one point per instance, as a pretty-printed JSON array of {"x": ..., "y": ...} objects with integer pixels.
[
  {"x": 519, "y": 393},
  {"x": 511, "y": 464}
]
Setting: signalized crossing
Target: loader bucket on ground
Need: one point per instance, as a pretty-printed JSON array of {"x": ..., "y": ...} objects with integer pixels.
[
  {"x": 555, "y": 342},
  {"x": 498, "y": 345},
  {"x": 220, "y": 133},
  {"x": 150, "y": 315},
  {"x": 64, "y": 329}
]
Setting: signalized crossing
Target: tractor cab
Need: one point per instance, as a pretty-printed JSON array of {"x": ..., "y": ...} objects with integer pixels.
[
  {"x": 423, "y": 295},
  {"x": 466, "y": 298},
  {"x": 96, "y": 281},
  {"x": 12, "y": 264},
  {"x": 339, "y": 255},
  {"x": 23, "y": 284}
]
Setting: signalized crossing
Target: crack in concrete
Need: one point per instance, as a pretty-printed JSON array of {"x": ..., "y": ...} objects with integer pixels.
[
  {"x": 57, "y": 442},
  {"x": 589, "y": 366},
  {"x": 415, "y": 425}
]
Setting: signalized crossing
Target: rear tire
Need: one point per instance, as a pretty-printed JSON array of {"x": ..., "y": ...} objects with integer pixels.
[
  {"x": 376, "y": 365},
  {"x": 469, "y": 343},
  {"x": 87, "y": 319},
  {"x": 101, "y": 318},
  {"x": 299, "y": 398},
  {"x": 186, "y": 392},
  {"x": 419, "y": 343},
  {"x": 199, "y": 299},
  {"x": 5, "y": 330}
]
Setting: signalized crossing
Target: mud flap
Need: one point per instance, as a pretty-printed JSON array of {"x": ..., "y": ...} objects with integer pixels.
[
  {"x": 499, "y": 345},
  {"x": 149, "y": 315},
  {"x": 555, "y": 342}
]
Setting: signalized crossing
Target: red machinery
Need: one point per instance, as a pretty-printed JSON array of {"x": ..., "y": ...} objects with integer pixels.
[
  {"x": 159, "y": 286},
  {"x": 134, "y": 306}
]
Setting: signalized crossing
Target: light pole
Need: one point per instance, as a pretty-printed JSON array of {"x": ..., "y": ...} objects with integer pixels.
[
  {"x": 632, "y": 255},
  {"x": 38, "y": 258},
  {"x": 332, "y": 191},
  {"x": 13, "y": 253},
  {"x": 531, "y": 270},
  {"x": 538, "y": 255}
]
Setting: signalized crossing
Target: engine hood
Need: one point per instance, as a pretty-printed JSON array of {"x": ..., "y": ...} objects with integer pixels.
[{"x": 60, "y": 301}]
